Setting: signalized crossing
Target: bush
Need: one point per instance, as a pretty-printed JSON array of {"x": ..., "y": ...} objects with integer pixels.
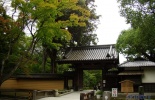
[{"x": 99, "y": 92}]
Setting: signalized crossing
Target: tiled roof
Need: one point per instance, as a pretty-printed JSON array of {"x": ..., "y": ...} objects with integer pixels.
[
  {"x": 91, "y": 53},
  {"x": 137, "y": 64},
  {"x": 131, "y": 73}
]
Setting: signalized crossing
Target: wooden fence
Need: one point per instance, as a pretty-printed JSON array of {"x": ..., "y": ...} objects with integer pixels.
[
  {"x": 33, "y": 84},
  {"x": 26, "y": 94}
]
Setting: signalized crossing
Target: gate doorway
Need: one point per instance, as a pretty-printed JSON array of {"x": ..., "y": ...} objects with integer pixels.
[
  {"x": 92, "y": 79},
  {"x": 100, "y": 57}
]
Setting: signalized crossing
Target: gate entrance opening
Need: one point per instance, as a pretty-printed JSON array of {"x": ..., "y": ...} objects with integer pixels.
[
  {"x": 100, "y": 57},
  {"x": 92, "y": 79}
]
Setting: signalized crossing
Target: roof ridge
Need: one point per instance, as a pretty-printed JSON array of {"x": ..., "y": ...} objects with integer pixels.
[{"x": 93, "y": 46}]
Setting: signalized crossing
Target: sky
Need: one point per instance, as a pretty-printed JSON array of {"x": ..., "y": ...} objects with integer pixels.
[{"x": 111, "y": 23}]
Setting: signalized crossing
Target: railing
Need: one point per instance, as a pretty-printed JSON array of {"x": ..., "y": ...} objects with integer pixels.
[{"x": 43, "y": 93}]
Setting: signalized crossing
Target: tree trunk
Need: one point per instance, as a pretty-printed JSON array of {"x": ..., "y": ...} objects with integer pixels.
[
  {"x": 44, "y": 59},
  {"x": 52, "y": 54},
  {"x": 53, "y": 59}
]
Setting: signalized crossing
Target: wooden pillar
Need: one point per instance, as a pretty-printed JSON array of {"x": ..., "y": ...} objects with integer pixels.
[
  {"x": 34, "y": 95},
  {"x": 78, "y": 80},
  {"x": 104, "y": 79},
  {"x": 65, "y": 83}
]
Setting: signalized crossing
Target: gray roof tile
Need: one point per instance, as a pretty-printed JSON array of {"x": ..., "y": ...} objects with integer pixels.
[
  {"x": 91, "y": 53},
  {"x": 137, "y": 64}
]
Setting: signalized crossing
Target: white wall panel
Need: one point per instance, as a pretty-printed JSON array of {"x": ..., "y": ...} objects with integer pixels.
[{"x": 149, "y": 75}]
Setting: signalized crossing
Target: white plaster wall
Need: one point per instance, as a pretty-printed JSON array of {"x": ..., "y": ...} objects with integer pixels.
[{"x": 149, "y": 75}]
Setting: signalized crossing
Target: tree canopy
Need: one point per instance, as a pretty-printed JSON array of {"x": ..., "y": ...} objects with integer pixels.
[
  {"x": 139, "y": 40},
  {"x": 81, "y": 35},
  {"x": 33, "y": 25}
]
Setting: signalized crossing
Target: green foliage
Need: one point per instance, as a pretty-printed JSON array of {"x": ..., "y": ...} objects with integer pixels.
[
  {"x": 32, "y": 23},
  {"x": 83, "y": 36},
  {"x": 62, "y": 68},
  {"x": 99, "y": 92},
  {"x": 113, "y": 69},
  {"x": 36, "y": 29},
  {"x": 10, "y": 43},
  {"x": 139, "y": 40},
  {"x": 75, "y": 21},
  {"x": 91, "y": 78}
]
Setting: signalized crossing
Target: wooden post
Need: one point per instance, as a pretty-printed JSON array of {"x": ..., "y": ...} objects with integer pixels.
[
  {"x": 82, "y": 96},
  {"x": 103, "y": 82},
  {"x": 56, "y": 94},
  {"x": 76, "y": 79},
  {"x": 15, "y": 95},
  {"x": 34, "y": 95},
  {"x": 65, "y": 83},
  {"x": 80, "y": 79}
]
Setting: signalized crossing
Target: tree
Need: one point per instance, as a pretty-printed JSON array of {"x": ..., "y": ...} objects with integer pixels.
[
  {"x": 36, "y": 19},
  {"x": 139, "y": 40},
  {"x": 82, "y": 35},
  {"x": 10, "y": 48},
  {"x": 91, "y": 78}
]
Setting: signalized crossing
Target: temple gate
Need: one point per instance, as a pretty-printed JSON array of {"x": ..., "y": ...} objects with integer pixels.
[{"x": 99, "y": 57}]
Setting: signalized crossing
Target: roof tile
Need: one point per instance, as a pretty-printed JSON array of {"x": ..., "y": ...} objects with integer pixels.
[
  {"x": 92, "y": 53},
  {"x": 137, "y": 64},
  {"x": 131, "y": 73}
]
